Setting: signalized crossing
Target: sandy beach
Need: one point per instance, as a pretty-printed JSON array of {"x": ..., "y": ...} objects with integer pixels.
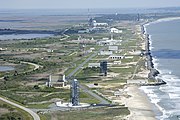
[{"x": 138, "y": 104}]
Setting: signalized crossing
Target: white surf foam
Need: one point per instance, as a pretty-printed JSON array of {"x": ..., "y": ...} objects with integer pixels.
[
  {"x": 161, "y": 20},
  {"x": 171, "y": 90}
]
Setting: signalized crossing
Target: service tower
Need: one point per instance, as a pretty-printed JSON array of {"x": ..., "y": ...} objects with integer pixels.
[{"x": 75, "y": 93}]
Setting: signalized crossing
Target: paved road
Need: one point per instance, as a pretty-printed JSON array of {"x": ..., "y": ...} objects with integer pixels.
[
  {"x": 101, "y": 99},
  {"x": 33, "y": 114},
  {"x": 86, "y": 90},
  {"x": 82, "y": 64},
  {"x": 33, "y": 64}
]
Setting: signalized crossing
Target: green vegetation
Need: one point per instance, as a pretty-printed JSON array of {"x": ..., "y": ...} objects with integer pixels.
[
  {"x": 11, "y": 116},
  {"x": 91, "y": 114},
  {"x": 62, "y": 54},
  {"x": 12, "y": 113}
]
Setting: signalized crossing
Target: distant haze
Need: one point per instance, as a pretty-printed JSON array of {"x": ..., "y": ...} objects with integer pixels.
[{"x": 63, "y": 4}]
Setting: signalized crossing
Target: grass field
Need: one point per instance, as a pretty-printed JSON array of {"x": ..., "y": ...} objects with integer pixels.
[
  {"x": 90, "y": 114},
  {"x": 10, "y": 112}
]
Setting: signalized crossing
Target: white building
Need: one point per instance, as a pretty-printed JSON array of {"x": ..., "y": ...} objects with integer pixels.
[
  {"x": 115, "y": 30},
  {"x": 109, "y": 42},
  {"x": 105, "y": 53},
  {"x": 137, "y": 81},
  {"x": 93, "y": 65},
  {"x": 96, "y": 24},
  {"x": 116, "y": 57},
  {"x": 117, "y": 62},
  {"x": 113, "y": 48},
  {"x": 83, "y": 31},
  {"x": 117, "y": 93}
]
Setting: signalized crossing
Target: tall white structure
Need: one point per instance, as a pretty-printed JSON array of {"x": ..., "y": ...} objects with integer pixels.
[
  {"x": 49, "y": 83},
  {"x": 64, "y": 78}
]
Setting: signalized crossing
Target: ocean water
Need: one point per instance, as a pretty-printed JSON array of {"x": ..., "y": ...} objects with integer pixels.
[{"x": 165, "y": 48}]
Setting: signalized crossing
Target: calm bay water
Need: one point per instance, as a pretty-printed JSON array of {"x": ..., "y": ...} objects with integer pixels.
[
  {"x": 6, "y": 68},
  {"x": 23, "y": 36},
  {"x": 165, "y": 47}
]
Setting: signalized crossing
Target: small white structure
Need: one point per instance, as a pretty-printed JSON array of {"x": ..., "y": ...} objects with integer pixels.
[
  {"x": 105, "y": 39},
  {"x": 109, "y": 42},
  {"x": 117, "y": 93},
  {"x": 93, "y": 65},
  {"x": 64, "y": 78},
  {"x": 69, "y": 105},
  {"x": 137, "y": 81},
  {"x": 105, "y": 53},
  {"x": 92, "y": 48},
  {"x": 83, "y": 31},
  {"x": 2, "y": 49},
  {"x": 49, "y": 50},
  {"x": 117, "y": 62},
  {"x": 96, "y": 24},
  {"x": 116, "y": 57},
  {"x": 115, "y": 30},
  {"x": 129, "y": 57},
  {"x": 113, "y": 48}
]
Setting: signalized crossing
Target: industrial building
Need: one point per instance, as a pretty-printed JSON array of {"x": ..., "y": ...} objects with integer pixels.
[
  {"x": 105, "y": 53},
  {"x": 94, "y": 23},
  {"x": 108, "y": 42},
  {"x": 115, "y": 30},
  {"x": 94, "y": 65},
  {"x": 137, "y": 81},
  {"x": 113, "y": 48},
  {"x": 116, "y": 57},
  {"x": 82, "y": 31},
  {"x": 117, "y": 62},
  {"x": 103, "y": 68},
  {"x": 75, "y": 93},
  {"x": 57, "y": 81}
]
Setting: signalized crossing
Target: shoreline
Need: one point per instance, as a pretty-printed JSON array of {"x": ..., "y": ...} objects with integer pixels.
[
  {"x": 160, "y": 20},
  {"x": 155, "y": 72},
  {"x": 138, "y": 104}
]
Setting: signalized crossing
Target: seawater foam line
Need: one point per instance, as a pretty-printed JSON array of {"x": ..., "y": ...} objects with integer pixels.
[
  {"x": 167, "y": 76},
  {"x": 154, "y": 99}
]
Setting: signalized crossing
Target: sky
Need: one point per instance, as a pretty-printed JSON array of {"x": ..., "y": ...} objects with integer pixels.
[{"x": 61, "y": 4}]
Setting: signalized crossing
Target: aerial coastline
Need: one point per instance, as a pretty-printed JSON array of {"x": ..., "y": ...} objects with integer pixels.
[
  {"x": 158, "y": 109},
  {"x": 122, "y": 45}
]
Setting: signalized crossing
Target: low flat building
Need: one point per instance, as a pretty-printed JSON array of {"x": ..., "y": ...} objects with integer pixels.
[
  {"x": 117, "y": 62},
  {"x": 115, "y": 30},
  {"x": 105, "y": 53},
  {"x": 100, "y": 24},
  {"x": 116, "y": 57},
  {"x": 117, "y": 93},
  {"x": 137, "y": 81},
  {"x": 113, "y": 48},
  {"x": 83, "y": 31},
  {"x": 109, "y": 42},
  {"x": 96, "y": 24},
  {"x": 93, "y": 65}
]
